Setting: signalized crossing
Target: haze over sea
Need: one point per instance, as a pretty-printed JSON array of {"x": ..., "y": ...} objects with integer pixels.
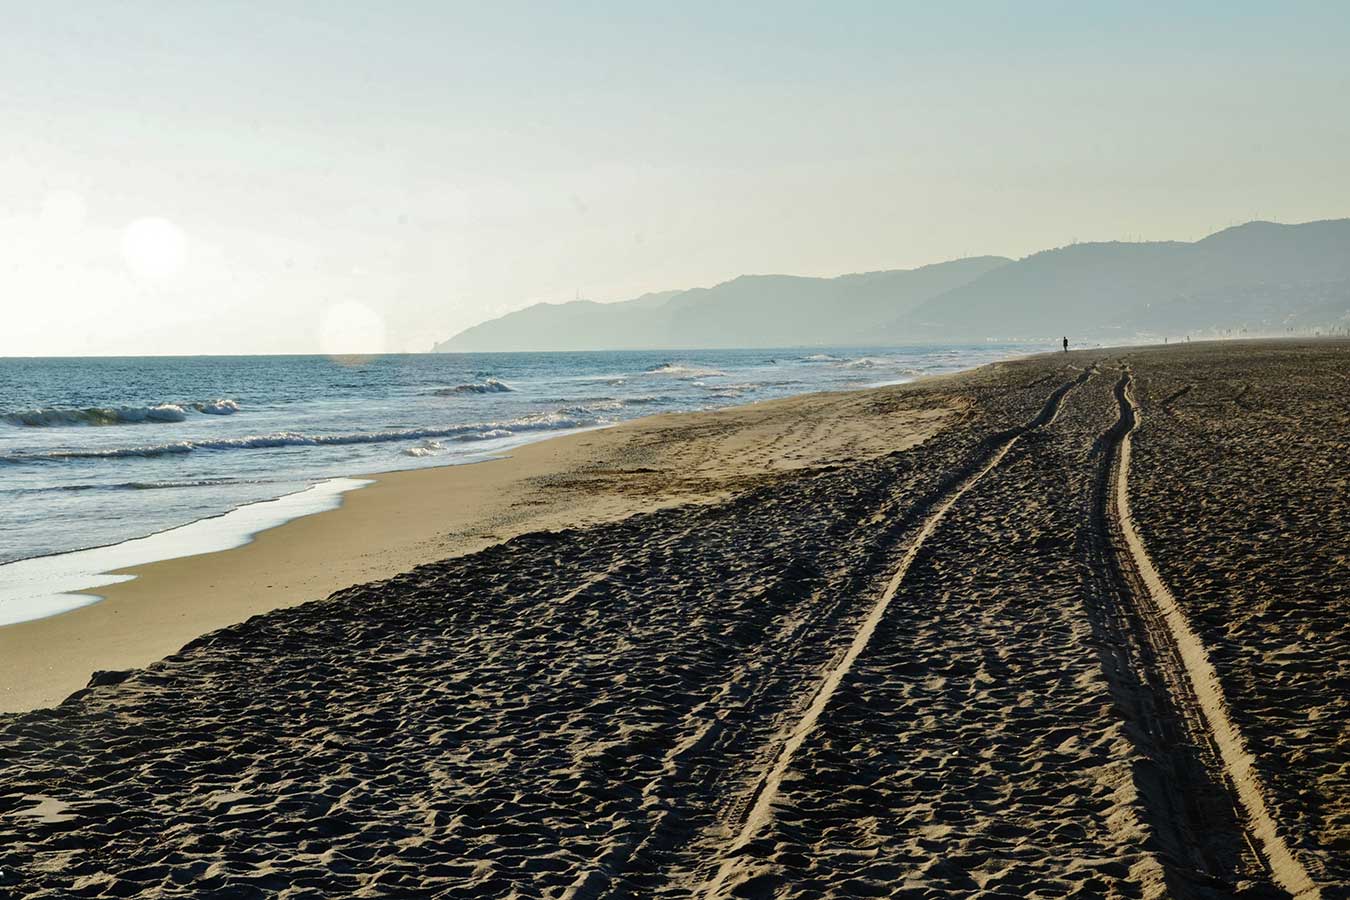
[{"x": 102, "y": 450}]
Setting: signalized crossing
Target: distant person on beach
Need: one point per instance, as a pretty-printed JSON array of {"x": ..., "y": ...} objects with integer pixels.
[{"x": 1066, "y": 345}]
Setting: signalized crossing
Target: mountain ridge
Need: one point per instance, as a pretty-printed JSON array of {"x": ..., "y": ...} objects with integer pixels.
[{"x": 1265, "y": 276}]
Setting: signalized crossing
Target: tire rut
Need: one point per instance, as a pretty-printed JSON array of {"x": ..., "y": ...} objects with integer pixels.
[
  {"x": 1204, "y": 799},
  {"x": 755, "y": 810}
]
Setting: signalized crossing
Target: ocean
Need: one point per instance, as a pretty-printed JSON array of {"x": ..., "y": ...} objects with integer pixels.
[{"x": 102, "y": 451}]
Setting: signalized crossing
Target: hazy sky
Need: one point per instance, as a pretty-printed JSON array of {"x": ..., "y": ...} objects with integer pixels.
[{"x": 239, "y": 177}]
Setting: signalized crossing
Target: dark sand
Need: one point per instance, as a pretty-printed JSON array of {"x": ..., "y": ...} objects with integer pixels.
[
  {"x": 973, "y": 667},
  {"x": 409, "y": 518}
]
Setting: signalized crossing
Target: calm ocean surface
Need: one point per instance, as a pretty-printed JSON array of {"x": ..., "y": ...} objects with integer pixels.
[{"x": 99, "y": 451}]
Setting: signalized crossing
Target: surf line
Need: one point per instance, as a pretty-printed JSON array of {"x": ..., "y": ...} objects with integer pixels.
[
  {"x": 1237, "y": 761},
  {"x": 766, "y": 790}
]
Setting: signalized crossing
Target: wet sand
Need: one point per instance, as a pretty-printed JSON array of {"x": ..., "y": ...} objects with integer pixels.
[{"x": 1087, "y": 638}]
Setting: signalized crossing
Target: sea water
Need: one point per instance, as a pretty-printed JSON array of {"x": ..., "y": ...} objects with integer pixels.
[{"x": 101, "y": 451}]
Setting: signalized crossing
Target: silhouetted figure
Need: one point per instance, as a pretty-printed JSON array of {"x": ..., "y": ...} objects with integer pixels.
[{"x": 1066, "y": 345}]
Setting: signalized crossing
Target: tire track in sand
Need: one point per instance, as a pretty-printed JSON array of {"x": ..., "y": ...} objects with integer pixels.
[
  {"x": 1185, "y": 666},
  {"x": 761, "y": 797}
]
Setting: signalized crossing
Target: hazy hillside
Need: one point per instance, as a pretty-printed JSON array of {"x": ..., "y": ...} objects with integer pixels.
[
  {"x": 750, "y": 311},
  {"x": 1261, "y": 276}
]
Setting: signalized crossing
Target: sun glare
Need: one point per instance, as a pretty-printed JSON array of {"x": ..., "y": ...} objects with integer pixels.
[{"x": 154, "y": 249}]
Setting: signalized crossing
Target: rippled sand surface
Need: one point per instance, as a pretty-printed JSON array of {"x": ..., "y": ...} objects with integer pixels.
[{"x": 941, "y": 671}]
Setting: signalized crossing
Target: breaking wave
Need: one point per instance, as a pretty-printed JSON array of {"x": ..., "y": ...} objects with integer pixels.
[
  {"x": 478, "y": 432},
  {"x": 217, "y": 407},
  {"x": 675, "y": 370},
  {"x": 490, "y": 386},
  {"x": 57, "y": 417},
  {"x": 429, "y": 447}
]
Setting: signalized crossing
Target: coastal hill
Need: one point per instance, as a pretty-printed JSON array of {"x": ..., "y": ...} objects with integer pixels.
[
  {"x": 1264, "y": 277},
  {"x": 1261, "y": 276},
  {"x": 749, "y": 311}
]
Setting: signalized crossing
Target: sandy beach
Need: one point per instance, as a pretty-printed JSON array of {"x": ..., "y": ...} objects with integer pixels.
[
  {"x": 1073, "y": 625},
  {"x": 408, "y": 518}
]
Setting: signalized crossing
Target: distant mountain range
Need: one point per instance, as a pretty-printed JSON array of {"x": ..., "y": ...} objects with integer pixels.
[{"x": 1261, "y": 277}]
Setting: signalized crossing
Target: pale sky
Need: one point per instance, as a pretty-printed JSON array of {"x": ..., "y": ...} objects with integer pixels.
[{"x": 240, "y": 177}]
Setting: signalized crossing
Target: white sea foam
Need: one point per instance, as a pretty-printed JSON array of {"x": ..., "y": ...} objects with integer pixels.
[
  {"x": 490, "y": 386},
  {"x": 426, "y": 448},
  {"x": 59, "y": 417},
  {"x": 55, "y": 417},
  {"x": 221, "y": 407},
  {"x": 47, "y": 585},
  {"x": 676, "y": 370},
  {"x": 599, "y": 404},
  {"x": 137, "y": 485},
  {"x": 483, "y": 431},
  {"x": 731, "y": 390}
]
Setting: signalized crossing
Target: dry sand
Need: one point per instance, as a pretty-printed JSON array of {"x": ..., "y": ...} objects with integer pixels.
[
  {"x": 1241, "y": 490},
  {"x": 1086, "y": 639}
]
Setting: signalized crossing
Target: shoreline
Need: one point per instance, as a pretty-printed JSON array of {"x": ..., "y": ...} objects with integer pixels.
[
  {"x": 95, "y": 577},
  {"x": 396, "y": 521},
  {"x": 92, "y": 577},
  {"x": 72, "y": 579},
  {"x": 467, "y": 460},
  {"x": 223, "y": 482}
]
